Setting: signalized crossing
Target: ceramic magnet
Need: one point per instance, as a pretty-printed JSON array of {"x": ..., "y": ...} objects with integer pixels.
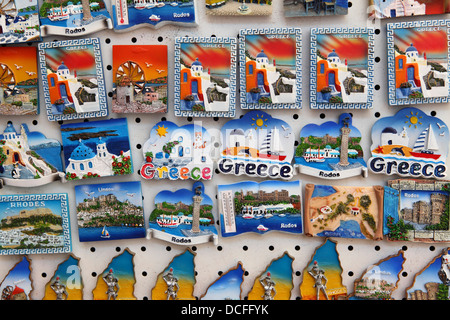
[
  {"x": 28, "y": 158},
  {"x": 382, "y": 9},
  {"x": 410, "y": 144},
  {"x": 257, "y": 145},
  {"x": 153, "y": 13},
  {"x": 344, "y": 211},
  {"x": 228, "y": 286},
  {"x": 417, "y": 210},
  {"x": 110, "y": 211},
  {"x": 342, "y": 68},
  {"x": 19, "y": 21},
  {"x": 17, "y": 285},
  {"x": 177, "y": 153},
  {"x": 331, "y": 150},
  {"x": 66, "y": 283},
  {"x": 19, "y": 81},
  {"x": 260, "y": 207},
  {"x": 183, "y": 217},
  {"x": 35, "y": 224},
  {"x": 205, "y": 77},
  {"x": 314, "y": 8},
  {"x": 74, "y": 19},
  {"x": 140, "y": 79},
  {"x": 96, "y": 149},
  {"x": 270, "y": 59},
  {"x": 72, "y": 79},
  {"x": 238, "y": 8}
]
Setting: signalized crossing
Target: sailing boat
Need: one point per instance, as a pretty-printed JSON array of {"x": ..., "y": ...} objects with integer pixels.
[
  {"x": 313, "y": 157},
  {"x": 105, "y": 233},
  {"x": 426, "y": 145},
  {"x": 271, "y": 147}
]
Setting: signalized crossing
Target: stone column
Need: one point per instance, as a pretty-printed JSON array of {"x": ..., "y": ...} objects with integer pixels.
[
  {"x": 345, "y": 132},
  {"x": 196, "y": 214}
]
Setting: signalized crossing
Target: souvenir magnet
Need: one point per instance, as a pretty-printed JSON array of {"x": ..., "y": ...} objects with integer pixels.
[
  {"x": 433, "y": 281},
  {"x": 74, "y": 19},
  {"x": 205, "y": 77},
  {"x": 228, "y": 286},
  {"x": 238, "y": 8},
  {"x": 417, "y": 210},
  {"x": 270, "y": 59},
  {"x": 418, "y": 57},
  {"x": 72, "y": 79},
  {"x": 177, "y": 281},
  {"x": 410, "y": 144},
  {"x": 35, "y": 224},
  {"x": 342, "y": 68},
  {"x": 28, "y": 158},
  {"x": 117, "y": 281},
  {"x": 260, "y": 207},
  {"x": 380, "y": 280},
  {"x": 66, "y": 283},
  {"x": 19, "y": 81},
  {"x": 344, "y": 211},
  {"x": 178, "y": 153},
  {"x": 276, "y": 282},
  {"x": 183, "y": 217},
  {"x": 129, "y": 15},
  {"x": 110, "y": 211},
  {"x": 322, "y": 278},
  {"x": 314, "y": 8},
  {"x": 17, "y": 285},
  {"x": 19, "y": 21},
  {"x": 257, "y": 145},
  {"x": 96, "y": 149},
  {"x": 331, "y": 150},
  {"x": 382, "y": 9},
  {"x": 140, "y": 79}
]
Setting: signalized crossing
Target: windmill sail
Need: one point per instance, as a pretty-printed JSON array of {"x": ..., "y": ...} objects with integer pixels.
[
  {"x": 426, "y": 142},
  {"x": 271, "y": 143}
]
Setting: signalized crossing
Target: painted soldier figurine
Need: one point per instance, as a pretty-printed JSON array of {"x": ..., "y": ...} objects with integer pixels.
[
  {"x": 172, "y": 285},
  {"x": 269, "y": 287},
  {"x": 59, "y": 289},
  {"x": 320, "y": 281},
  {"x": 113, "y": 285}
]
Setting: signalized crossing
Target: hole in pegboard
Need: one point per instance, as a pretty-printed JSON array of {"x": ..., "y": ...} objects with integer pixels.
[
  {"x": 350, "y": 4},
  {"x": 295, "y": 116},
  {"x": 271, "y": 248},
  {"x": 404, "y": 274},
  {"x": 134, "y": 40},
  {"x": 86, "y": 120},
  {"x": 94, "y": 274},
  {"x": 377, "y": 114},
  {"x": 138, "y": 146},
  {"x": 109, "y": 67},
  {"x": 108, "y": 40},
  {"x": 219, "y": 248},
  {"x": 296, "y": 143},
  {"x": 219, "y": 273},
  {"x": 245, "y": 248},
  {"x": 377, "y": 59},
  {"x": 432, "y": 248},
  {"x": 189, "y": 119},
  {"x": 377, "y": 248},
  {"x": 246, "y": 273},
  {"x": 298, "y": 273},
  {"x": 44, "y": 275},
  {"x": 350, "y": 248},
  {"x": 163, "y": 119},
  {"x": 117, "y": 249},
  {"x": 350, "y": 273},
  {"x": 433, "y": 113},
  {"x": 160, "y": 39},
  {"x": 194, "y": 248},
  {"x": 35, "y": 122},
  {"x": 377, "y": 31},
  {"x": 297, "y": 248},
  {"x": 377, "y": 87},
  {"x": 139, "y": 172},
  {"x": 144, "y": 273},
  {"x": 92, "y": 249},
  {"x": 218, "y": 222},
  {"x": 322, "y": 116},
  {"x": 143, "y": 248},
  {"x": 168, "y": 248},
  {"x": 216, "y": 118},
  {"x": 138, "y": 120},
  {"x": 404, "y": 248},
  {"x": 60, "y": 122},
  {"x": 145, "y": 298},
  {"x": 217, "y": 171}
]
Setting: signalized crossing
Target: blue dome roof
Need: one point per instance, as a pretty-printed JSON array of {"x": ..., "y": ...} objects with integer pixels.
[
  {"x": 82, "y": 152},
  {"x": 62, "y": 66},
  {"x": 389, "y": 130},
  {"x": 333, "y": 54},
  {"x": 411, "y": 48},
  {"x": 261, "y": 54},
  {"x": 10, "y": 128},
  {"x": 196, "y": 63}
]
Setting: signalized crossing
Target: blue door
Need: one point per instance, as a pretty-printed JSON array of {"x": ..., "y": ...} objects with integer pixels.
[
  {"x": 62, "y": 90},
  {"x": 260, "y": 79},
  {"x": 393, "y": 13},
  {"x": 410, "y": 72},
  {"x": 180, "y": 152},
  {"x": 194, "y": 89},
  {"x": 331, "y": 79}
]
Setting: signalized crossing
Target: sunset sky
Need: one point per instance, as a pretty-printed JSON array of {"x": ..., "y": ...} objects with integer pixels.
[
  {"x": 22, "y": 56},
  {"x": 83, "y": 61},
  {"x": 218, "y": 59},
  {"x": 280, "y": 49},
  {"x": 433, "y": 43}
]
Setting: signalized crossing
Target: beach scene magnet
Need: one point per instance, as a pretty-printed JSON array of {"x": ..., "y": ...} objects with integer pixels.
[
  {"x": 17, "y": 285},
  {"x": 238, "y": 8},
  {"x": 331, "y": 150},
  {"x": 19, "y": 21},
  {"x": 270, "y": 59},
  {"x": 314, "y": 8},
  {"x": 66, "y": 283}
]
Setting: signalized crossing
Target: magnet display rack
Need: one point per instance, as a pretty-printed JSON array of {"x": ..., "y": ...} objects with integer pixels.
[{"x": 253, "y": 250}]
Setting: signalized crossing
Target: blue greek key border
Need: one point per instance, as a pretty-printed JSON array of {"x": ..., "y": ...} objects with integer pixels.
[
  {"x": 390, "y": 29},
  {"x": 63, "y": 198},
  {"x": 177, "y": 102},
  {"x": 298, "y": 68},
  {"x": 313, "y": 70},
  {"x": 103, "y": 112}
]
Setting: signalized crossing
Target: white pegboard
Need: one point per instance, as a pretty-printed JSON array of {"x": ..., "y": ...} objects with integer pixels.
[{"x": 254, "y": 251}]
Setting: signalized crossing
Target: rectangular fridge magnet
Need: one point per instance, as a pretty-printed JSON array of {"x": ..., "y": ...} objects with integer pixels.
[
  {"x": 205, "y": 77},
  {"x": 238, "y": 8},
  {"x": 314, "y": 8},
  {"x": 418, "y": 56},
  {"x": 270, "y": 68},
  {"x": 342, "y": 68},
  {"x": 384, "y": 9},
  {"x": 19, "y": 21},
  {"x": 72, "y": 79}
]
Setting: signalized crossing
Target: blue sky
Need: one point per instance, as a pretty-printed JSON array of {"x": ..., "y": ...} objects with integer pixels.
[
  {"x": 183, "y": 195},
  {"x": 130, "y": 191},
  {"x": 294, "y": 187},
  {"x": 227, "y": 286},
  {"x": 409, "y": 197},
  {"x": 330, "y": 127},
  {"x": 6, "y": 209}
]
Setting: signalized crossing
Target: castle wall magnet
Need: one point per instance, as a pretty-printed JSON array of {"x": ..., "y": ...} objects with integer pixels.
[
  {"x": 174, "y": 153},
  {"x": 72, "y": 79},
  {"x": 66, "y": 283},
  {"x": 257, "y": 145},
  {"x": 19, "y": 81},
  {"x": 342, "y": 68},
  {"x": 110, "y": 211},
  {"x": 418, "y": 211},
  {"x": 238, "y": 8},
  {"x": 331, "y": 150},
  {"x": 418, "y": 59},
  {"x": 260, "y": 207},
  {"x": 270, "y": 67},
  {"x": 228, "y": 286},
  {"x": 47, "y": 224},
  {"x": 96, "y": 149},
  {"x": 152, "y": 13},
  {"x": 28, "y": 158},
  {"x": 344, "y": 211},
  {"x": 19, "y": 21},
  {"x": 17, "y": 285},
  {"x": 205, "y": 77},
  {"x": 74, "y": 19},
  {"x": 294, "y": 8},
  {"x": 409, "y": 144},
  {"x": 183, "y": 217},
  {"x": 140, "y": 79}
]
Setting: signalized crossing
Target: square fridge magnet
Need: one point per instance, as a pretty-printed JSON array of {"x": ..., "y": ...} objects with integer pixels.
[
  {"x": 205, "y": 77},
  {"x": 139, "y": 79},
  {"x": 72, "y": 79},
  {"x": 418, "y": 55},
  {"x": 19, "y": 21},
  {"x": 314, "y": 8},
  {"x": 382, "y": 9},
  {"x": 238, "y": 7},
  {"x": 342, "y": 68},
  {"x": 270, "y": 68}
]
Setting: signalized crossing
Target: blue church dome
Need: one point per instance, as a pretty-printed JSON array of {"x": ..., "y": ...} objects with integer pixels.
[
  {"x": 63, "y": 66},
  {"x": 10, "y": 128},
  {"x": 333, "y": 54},
  {"x": 411, "y": 48},
  {"x": 196, "y": 63},
  {"x": 261, "y": 55},
  {"x": 82, "y": 152}
]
